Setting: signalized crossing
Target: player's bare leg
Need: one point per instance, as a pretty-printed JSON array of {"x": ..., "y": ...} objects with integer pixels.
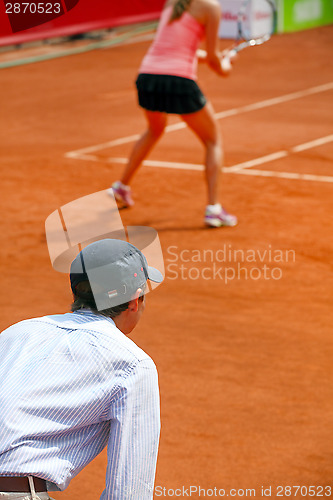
[
  {"x": 205, "y": 126},
  {"x": 156, "y": 125}
]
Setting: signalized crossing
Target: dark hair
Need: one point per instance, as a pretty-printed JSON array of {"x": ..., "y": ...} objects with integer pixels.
[
  {"x": 84, "y": 299},
  {"x": 179, "y": 8}
]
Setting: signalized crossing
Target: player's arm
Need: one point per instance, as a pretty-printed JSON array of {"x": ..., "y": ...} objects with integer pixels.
[
  {"x": 134, "y": 436},
  {"x": 213, "y": 57}
]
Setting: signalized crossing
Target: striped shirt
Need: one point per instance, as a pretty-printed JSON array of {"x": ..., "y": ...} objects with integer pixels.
[
  {"x": 173, "y": 51},
  {"x": 71, "y": 384}
]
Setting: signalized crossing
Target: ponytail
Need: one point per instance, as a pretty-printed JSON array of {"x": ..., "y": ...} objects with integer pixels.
[{"x": 179, "y": 8}]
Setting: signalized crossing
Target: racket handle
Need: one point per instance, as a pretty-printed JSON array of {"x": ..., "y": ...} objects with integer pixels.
[
  {"x": 226, "y": 64},
  {"x": 232, "y": 53}
]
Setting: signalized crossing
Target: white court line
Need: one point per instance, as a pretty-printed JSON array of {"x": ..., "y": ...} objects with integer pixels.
[
  {"x": 281, "y": 154},
  {"x": 286, "y": 175},
  {"x": 223, "y": 114},
  {"x": 162, "y": 164},
  {"x": 258, "y": 161},
  {"x": 313, "y": 144},
  {"x": 146, "y": 163},
  {"x": 279, "y": 100},
  {"x": 105, "y": 145}
]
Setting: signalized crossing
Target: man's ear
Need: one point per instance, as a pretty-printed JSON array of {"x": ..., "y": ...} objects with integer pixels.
[{"x": 134, "y": 302}]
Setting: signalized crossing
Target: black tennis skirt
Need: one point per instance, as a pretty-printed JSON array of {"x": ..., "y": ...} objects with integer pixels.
[{"x": 169, "y": 94}]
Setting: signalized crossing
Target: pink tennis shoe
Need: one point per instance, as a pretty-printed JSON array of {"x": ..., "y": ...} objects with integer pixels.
[
  {"x": 122, "y": 193},
  {"x": 216, "y": 216}
]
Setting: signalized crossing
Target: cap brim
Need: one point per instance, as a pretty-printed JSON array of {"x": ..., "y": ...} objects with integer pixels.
[{"x": 155, "y": 275}]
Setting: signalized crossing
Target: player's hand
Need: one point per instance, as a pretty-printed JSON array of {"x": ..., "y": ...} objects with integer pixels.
[
  {"x": 227, "y": 58},
  {"x": 202, "y": 55}
]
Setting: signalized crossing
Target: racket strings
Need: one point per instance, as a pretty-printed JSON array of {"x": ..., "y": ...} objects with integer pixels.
[{"x": 256, "y": 21}]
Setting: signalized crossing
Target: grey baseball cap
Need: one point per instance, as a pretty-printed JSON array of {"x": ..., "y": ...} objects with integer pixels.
[{"x": 115, "y": 270}]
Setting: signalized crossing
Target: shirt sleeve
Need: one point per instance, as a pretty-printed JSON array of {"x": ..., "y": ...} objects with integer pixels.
[{"x": 134, "y": 436}]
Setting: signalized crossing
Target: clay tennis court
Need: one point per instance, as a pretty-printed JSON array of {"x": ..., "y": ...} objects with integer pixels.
[{"x": 244, "y": 352}]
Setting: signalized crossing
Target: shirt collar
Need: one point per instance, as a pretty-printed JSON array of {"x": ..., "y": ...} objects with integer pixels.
[{"x": 91, "y": 314}]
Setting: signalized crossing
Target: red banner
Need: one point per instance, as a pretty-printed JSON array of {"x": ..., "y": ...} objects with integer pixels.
[{"x": 27, "y": 20}]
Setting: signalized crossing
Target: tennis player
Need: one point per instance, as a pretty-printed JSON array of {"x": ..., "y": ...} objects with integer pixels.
[
  {"x": 166, "y": 84},
  {"x": 73, "y": 383}
]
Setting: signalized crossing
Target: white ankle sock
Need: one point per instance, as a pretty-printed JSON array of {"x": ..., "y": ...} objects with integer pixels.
[{"x": 214, "y": 209}]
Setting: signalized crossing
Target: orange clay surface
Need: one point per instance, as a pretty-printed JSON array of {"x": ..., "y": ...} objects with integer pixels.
[{"x": 245, "y": 359}]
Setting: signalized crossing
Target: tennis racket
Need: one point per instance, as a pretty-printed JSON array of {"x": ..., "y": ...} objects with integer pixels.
[{"x": 256, "y": 23}]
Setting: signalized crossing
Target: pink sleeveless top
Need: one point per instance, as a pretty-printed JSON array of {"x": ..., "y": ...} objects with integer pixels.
[{"x": 173, "y": 51}]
